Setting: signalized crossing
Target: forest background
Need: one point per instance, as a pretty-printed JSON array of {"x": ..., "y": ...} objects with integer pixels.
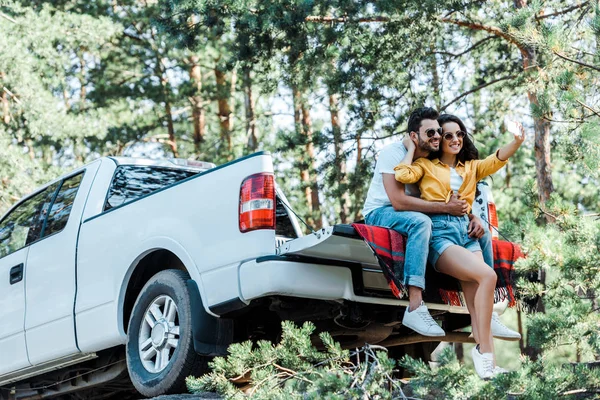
[{"x": 324, "y": 85}]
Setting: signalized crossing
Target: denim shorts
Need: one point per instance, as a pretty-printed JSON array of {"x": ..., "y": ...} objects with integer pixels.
[{"x": 448, "y": 230}]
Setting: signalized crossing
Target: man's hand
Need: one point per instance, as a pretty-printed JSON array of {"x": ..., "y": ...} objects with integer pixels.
[
  {"x": 476, "y": 229},
  {"x": 456, "y": 207}
]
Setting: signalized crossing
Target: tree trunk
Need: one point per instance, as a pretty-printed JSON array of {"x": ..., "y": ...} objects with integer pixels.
[
  {"x": 251, "y": 140},
  {"x": 358, "y": 191},
  {"x": 5, "y": 103},
  {"x": 171, "y": 128},
  {"x": 310, "y": 155},
  {"x": 198, "y": 115},
  {"x": 164, "y": 81},
  {"x": 5, "y": 108},
  {"x": 304, "y": 176},
  {"x": 224, "y": 110},
  {"x": 541, "y": 128},
  {"x": 82, "y": 89},
  {"x": 340, "y": 158},
  {"x": 435, "y": 78}
]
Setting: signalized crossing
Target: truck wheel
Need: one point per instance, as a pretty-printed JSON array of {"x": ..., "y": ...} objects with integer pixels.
[{"x": 160, "y": 346}]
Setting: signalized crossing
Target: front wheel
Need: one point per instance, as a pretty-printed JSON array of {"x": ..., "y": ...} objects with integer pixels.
[{"x": 160, "y": 346}]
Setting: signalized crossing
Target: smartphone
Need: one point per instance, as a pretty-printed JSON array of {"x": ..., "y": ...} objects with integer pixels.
[{"x": 511, "y": 126}]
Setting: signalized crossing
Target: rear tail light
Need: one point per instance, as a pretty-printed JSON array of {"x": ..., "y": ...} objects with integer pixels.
[
  {"x": 493, "y": 219},
  {"x": 257, "y": 203}
]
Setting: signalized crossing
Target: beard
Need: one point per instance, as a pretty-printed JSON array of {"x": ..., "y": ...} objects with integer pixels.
[{"x": 426, "y": 145}]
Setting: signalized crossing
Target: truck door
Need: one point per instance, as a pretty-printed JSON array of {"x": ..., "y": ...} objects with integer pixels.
[
  {"x": 18, "y": 230},
  {"x": 51, "y": 273}
]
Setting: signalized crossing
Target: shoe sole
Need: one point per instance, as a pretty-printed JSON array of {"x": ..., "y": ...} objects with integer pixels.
[
  {"x": 425, "y": 334},
  {"x": 508, "y": 338}
]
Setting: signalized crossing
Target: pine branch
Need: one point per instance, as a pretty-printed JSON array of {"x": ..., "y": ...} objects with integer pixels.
[
  {"x": 475, "y": 89},
  {"x": 491, "y": 29},
  {"x": 477, "y": 44},
  {"x": 329, "y": 19},
  {"x": 582, "y": 104},
  {"x": 576, "y": 62},
  {"x": 561, "y": 12},
  {"x": 11, "y": 94},
  {"x": 7, "y": 17}
]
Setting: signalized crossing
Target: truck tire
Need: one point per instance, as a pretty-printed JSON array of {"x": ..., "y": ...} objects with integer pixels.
[{"x": 160, "y": 347}]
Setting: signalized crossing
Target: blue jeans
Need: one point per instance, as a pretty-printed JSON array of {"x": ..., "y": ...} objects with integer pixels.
[
  {"x": 417, "y": 227},
  {"x": 449, "y": 230},
  {"x": 485, "y": 242}
]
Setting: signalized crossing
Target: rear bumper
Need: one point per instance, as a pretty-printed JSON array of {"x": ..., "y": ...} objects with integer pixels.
[{"x": 313, "y": 279}]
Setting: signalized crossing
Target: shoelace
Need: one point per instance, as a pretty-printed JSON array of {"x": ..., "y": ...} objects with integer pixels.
[
  {"x": 426, "y": 317},
  {"x": 488, "y": 364},
  {"x": 495, "y": 318}
]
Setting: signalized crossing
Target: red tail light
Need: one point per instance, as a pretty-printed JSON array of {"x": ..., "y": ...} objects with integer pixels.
[
  {"x": 493, "y": 219},
  {"x": 257, "y": 203}
]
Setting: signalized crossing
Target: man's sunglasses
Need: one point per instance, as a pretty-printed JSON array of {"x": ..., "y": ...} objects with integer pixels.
[
  {"x": 431, "y": 132},
  {"x": 449, "y": 135}
]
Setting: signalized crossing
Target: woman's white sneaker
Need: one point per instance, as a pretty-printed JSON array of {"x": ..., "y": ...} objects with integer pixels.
[
  {"x": 420, "y": 321},
  {"x": 484, "y": 363},
  {"x": 501, "y": 331}
]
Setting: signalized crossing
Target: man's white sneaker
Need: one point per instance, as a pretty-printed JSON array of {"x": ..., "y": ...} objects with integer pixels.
[
  {"x": 484, "y": 363},
  {"x": 501, "y": 331},
  {"x": 420, "y": 321}
]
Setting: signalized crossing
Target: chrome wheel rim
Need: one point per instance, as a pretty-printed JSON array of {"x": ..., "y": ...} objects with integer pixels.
[{"x": 159, "y": 334}]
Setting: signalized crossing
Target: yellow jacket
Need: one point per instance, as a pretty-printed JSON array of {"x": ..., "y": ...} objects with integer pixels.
[{"x": 434, "y": 177}]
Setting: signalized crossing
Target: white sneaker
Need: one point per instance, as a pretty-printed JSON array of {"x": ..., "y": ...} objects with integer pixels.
[
  {"x": 420, "y": 321},
  {"x": 501, "y": 331},
  {"x": 484, "y": 363},
  {"x": 499, "y": 370}
]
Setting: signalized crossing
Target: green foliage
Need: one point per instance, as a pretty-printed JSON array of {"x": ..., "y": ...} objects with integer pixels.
[{"x": 296, "y": 369}]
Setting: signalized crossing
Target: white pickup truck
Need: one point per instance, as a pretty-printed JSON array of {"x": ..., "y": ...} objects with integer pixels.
[{"x": 140, "y": 268}]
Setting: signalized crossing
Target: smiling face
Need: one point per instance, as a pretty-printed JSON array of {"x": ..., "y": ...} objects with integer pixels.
[
  {"x": 455, "y": 144},
  {"x": 426, "y": 143}
]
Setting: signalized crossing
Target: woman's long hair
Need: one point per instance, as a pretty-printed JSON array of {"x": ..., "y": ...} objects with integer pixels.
[{"x": 468, "y": 151}]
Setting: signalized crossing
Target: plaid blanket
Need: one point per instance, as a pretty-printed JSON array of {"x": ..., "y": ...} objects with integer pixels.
[{"x": 388, "y": 245}]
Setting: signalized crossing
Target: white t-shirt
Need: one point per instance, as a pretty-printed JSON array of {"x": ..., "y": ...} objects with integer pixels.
[
  {"x": 456, "y": 180},
  {"x": 389, "y": 157}
]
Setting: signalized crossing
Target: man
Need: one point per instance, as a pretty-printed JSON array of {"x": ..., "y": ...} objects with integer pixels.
[{"x": 396, "y": 206}]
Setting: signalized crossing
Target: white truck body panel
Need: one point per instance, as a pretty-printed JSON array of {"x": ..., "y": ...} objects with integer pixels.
[
  {"x": 49, "y": 325},
  {"x": 13, "y": 350},
  {"x": 203, "y": 223}
]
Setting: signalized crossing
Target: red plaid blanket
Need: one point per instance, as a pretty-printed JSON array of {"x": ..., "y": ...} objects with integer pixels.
[{"x": 388, "y": 245}]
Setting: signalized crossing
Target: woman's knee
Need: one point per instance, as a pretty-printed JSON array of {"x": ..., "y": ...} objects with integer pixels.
[{"x": 486, "y": 275}]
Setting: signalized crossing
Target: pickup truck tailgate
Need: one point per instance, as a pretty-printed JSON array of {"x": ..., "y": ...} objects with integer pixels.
[{"x": 340, "y": 243}]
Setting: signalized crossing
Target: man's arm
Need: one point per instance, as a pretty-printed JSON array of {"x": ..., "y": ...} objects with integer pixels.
[{"x": 403, "y": 202}]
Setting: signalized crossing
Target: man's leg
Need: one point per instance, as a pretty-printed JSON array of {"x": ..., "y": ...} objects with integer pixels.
[
  {"x": 417, "y": 227},
  {"x": 485, "y": 242}
]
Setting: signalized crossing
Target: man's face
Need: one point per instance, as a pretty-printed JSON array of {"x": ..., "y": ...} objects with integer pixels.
[{"x": 426, "y": 143}]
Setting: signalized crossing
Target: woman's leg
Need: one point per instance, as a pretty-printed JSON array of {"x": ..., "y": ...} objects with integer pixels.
[
  {"x": 469, "y": 289},
  {"x": 465, "y": 266}
]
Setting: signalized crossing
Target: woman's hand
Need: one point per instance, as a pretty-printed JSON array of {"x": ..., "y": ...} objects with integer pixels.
[
  {"x": 409, "y": 143},
  {"x": 519, "y": 134}
]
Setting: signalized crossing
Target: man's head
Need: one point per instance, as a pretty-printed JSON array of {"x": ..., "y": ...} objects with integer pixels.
[{"x": 423, "y": 125}]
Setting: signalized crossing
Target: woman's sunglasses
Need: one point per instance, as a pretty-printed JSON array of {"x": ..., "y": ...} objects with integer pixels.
[{"x": 449, "y": 135}]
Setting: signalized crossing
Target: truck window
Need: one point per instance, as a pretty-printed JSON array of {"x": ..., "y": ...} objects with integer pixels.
[
  {"x": 24, "y": 224},
  {"x": 132, "y": 182},
  {"x": 61, "y": 208}
]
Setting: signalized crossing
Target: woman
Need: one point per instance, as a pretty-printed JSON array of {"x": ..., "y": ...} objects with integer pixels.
[{"x": 456, "y": 170}]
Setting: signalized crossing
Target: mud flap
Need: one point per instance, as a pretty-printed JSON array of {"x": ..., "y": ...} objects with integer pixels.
[{"x": 211, "y": 335}]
